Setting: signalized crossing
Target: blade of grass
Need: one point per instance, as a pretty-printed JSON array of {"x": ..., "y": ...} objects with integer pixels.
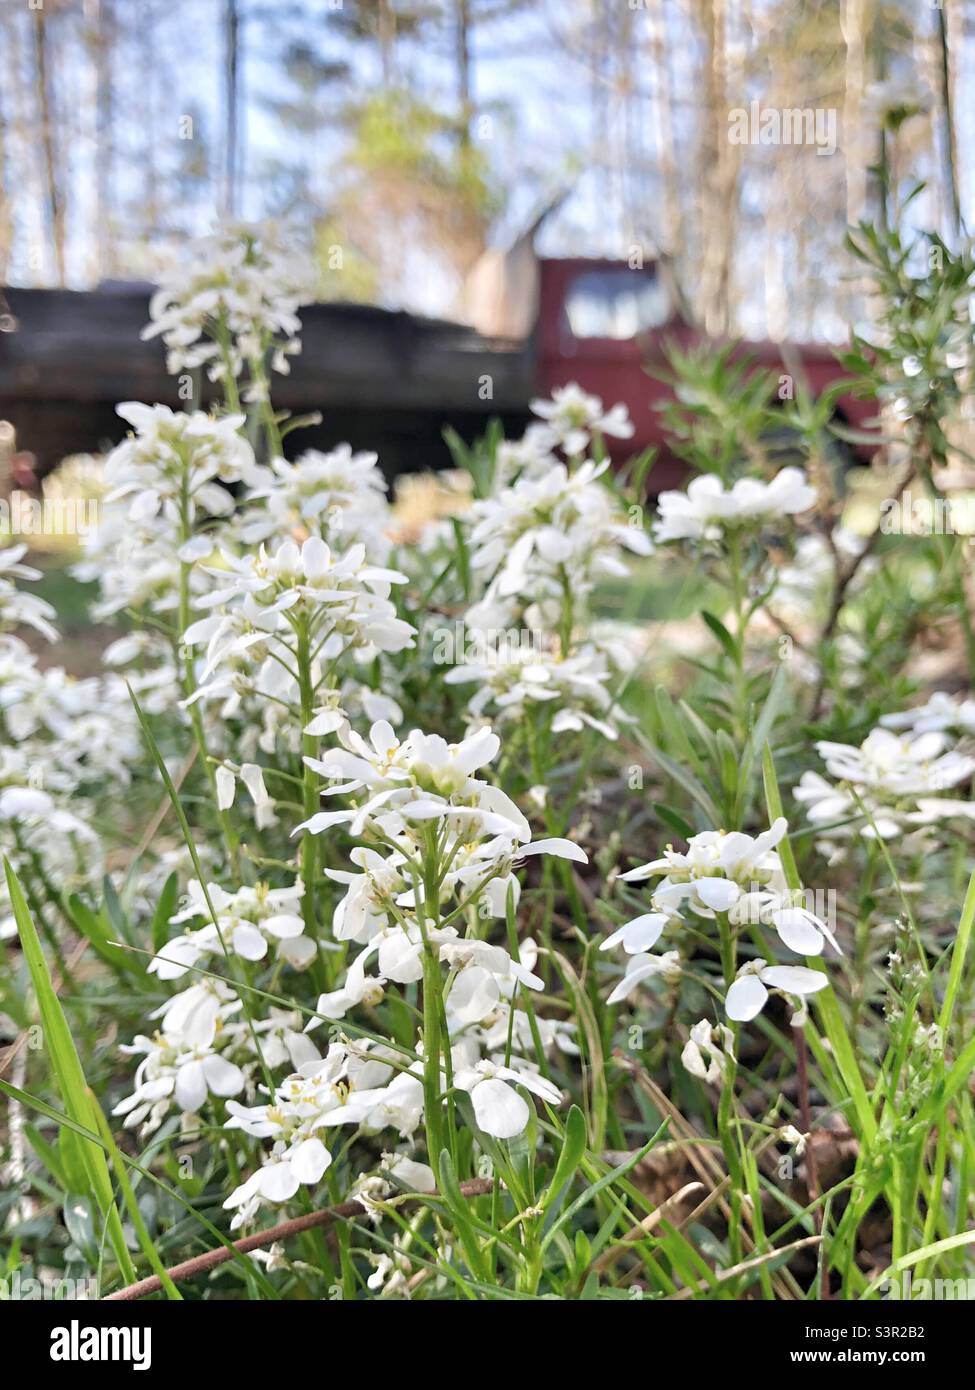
[
  {"x": 131, "y": 1202},
  {"x": 68, "y": 1071},
  {"x": 825, "y": 1001}
]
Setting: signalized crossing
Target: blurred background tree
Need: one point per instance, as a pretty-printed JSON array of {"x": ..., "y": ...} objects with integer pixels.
[{"x": 404, "y": 136}]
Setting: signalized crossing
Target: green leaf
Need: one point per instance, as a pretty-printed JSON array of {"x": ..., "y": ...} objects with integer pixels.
[
  {"x": 573, "y": 1147},
  {"x": 94, "y": 928},
  {"x": 132, "y": 1205},
  {"x": 721, "y": 632},
  {"x": 79, "y": 1219},
  {"x": 68, "y": 1072},
  {"x": 165, "y": 909}
]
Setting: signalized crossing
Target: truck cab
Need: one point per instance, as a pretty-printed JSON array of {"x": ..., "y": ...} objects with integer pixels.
[{"x": 608, "y": 324}]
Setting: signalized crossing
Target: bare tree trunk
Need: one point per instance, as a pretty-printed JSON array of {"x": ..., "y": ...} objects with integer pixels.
[
  {"x": 462, "y": 48},
  {"x": 6, "y": 208},
  {"x": 53, "y": 193},
  {"x": 947, "y": 109},
  {"x": 669, "y": 232},
  {"x": 853, "y": 25},
  {"x": 232, "y": 97},
  {"x": 387, "y": 42},
  {"x": 104, "y": 154},
  {"x": 721, "y": 169}
]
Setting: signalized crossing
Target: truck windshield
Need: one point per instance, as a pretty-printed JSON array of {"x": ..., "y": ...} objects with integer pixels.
[{"x": 616, "y": 303}]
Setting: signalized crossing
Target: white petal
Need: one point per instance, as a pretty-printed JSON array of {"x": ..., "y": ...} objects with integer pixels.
[
  {"x": 248, "y": 942},
  {"x": 643, "y": 932},
  {"x": 562, "y": 849},
  {"x": 795, "y": 979},
  {"x": 798, "y": 931},
  {"x": 277, "y": 1182},
  {"x": 252, "y": 776},
  {"x": 474, "y": 994},
  {"x": 309, "y": 1161},
  {"x": 746, "y": 998},
  {"x": 223, "y": 1078},
  {"x": 719, "y": 894},
  {"x": 226, "y": 788},
  {"x": 499, "y": 1110},
  {"x": 191, "y": 1086}
]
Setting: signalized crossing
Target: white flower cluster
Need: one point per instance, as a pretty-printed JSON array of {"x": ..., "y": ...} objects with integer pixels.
[
  {"x": 169, "y": 478},
  {"x": 177, "y": 461},
  {"x": 339, "y": 496},
  {"x": 574, "y": 418},
  {"x": 440, "y": 848},
  {"x": 245, "y": 923},
  {"x": 539, "y": 542},
  {"x": 64, "y": 741},
  {"x": 334, "y": 605},
  {"x": 232, "y": 301},
  {"x": 894, "y": 781},
  {"x": 708, "y": 509},
  {"x": 16, "y": 607},
  {"x": 203, "y": 1048},
  {"x": 511, "y": 681},
  {"x": 553, "y": 535},
  {"x": 740, "y": 877}
]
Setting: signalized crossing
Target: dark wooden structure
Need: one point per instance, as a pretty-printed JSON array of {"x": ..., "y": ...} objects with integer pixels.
[{"x": 386, "y": 381}]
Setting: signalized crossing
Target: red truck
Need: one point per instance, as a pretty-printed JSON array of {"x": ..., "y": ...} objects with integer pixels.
[{"x": 383, "y": 379}]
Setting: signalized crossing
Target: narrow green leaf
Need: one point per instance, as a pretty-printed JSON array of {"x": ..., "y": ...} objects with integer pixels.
[
  {"x": 132, "y": 1204},
  {"x": 67, "y": 1068},
  {"x": 573, "y": 1147}
]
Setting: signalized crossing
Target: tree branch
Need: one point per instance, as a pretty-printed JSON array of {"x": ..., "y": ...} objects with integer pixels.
[{"x": 200, "y": 1264}]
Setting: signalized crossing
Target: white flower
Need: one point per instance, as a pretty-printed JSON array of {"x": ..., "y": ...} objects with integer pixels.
[
  {"x": 707, "y": 508},
  {"x": 18, "y": 608},
  {"x": 707, "y": 1050},
  {"x": 891, "y": 774},
  {"x": 498, "y": 1108},
  {"x": 247, "y": 921},
  {"x": 246, "y": 283},
  {"x": 749, "y": 993},
  {"x": 574, "y": 416},
  {"x": 644, "y": 966}
]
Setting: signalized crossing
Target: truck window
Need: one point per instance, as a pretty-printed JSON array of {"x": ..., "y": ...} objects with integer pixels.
[{"x": 616, "y": 303}]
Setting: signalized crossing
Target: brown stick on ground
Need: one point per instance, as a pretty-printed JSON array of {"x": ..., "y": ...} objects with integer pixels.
[{"x": 200, "y": 1264}]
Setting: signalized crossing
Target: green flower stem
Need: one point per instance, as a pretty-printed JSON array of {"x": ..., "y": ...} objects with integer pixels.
[
  {"x": 309, "y": 796},
  {"x": 189, "y": 680},
  {"x": 433, "y": 1041},
  {"x": 727, "y": 1122}
]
